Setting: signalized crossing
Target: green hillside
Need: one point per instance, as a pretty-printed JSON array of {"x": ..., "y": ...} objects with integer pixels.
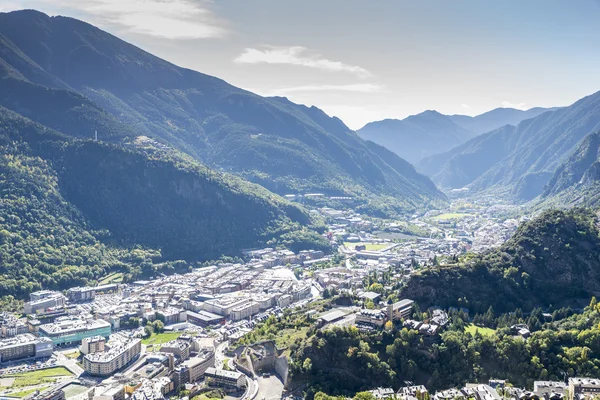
[
  {"x": 74, "y": 210},
  {"x": 550, "y": 260}
]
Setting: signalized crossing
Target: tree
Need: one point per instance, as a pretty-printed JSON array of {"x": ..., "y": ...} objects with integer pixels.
[
  {"x": 307, "y": 365},
  {"x": 376, "y": 287},
  {"x": 364, "y": 396},
  {"x": 388, "y": 326},
  {"x": 158, "y": 326},
  {"x": 148, "y": 331}
]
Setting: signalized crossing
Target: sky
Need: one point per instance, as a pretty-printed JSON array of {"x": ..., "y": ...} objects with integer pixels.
[{"x": 364, "y": 60}]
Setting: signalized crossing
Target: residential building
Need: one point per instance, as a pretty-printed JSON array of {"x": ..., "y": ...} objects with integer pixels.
[
  {"x": 244, "y": 310},
  {"x": 94, "y": 344},
  {"x": 43, "y": 303},
  {"x": 179, "y": 348},
  {"x": 549, "y": 388},
  {"x": 198, "y": 365},
  {"x": 583, "y": 388},
  {"x": 81, "y": 294},
  {"x": 120, "y": 351},
  {"x": 153, "y": 389},
  {"x": 171, "y": 315},
  {"x": 228, "y": 379},
  {"x": 400, "y": 310}
]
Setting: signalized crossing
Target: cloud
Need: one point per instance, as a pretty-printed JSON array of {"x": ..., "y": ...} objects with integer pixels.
[
  {"x": 465, "y": 106},
  {"x": 356, "y": 87},
  {"x": 518, "y": 106},
  {"x": 170, "y": 19},
  {"x": 297, "y": 55}
]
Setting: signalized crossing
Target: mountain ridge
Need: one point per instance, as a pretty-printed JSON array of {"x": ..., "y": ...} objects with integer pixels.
[
  {"x": 426, "y": 134},
  {"x": 416, "y": 136},
  {"x": 530, "y": 153},
  {"x": 225, "y": 127}
]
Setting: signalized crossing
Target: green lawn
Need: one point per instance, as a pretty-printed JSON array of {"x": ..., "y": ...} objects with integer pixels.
[
  {"x": 26, "y": 392},
  {"x": 369, "y": 246},
  {"x": 160, "y": 338},
  {"x": 115, "y": 277},
  {"x": 449, "y": 216},
  {"x": 482, "y": 330},
  {"x": 39, "y": 376}
]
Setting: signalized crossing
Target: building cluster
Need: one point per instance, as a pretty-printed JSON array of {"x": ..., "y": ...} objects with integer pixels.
[
  {"x": 11, "y": 326},
  {"x": 107, "y": 324},
  {"x": 344, "y": 221},
  {"x": 572, "y": 389}
]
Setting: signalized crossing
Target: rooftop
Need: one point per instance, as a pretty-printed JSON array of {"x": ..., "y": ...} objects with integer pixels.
[
  {"x": 223, "y": 373},
  {"x": 73, "y": 324},
  {"x": 20, "y": 340}
]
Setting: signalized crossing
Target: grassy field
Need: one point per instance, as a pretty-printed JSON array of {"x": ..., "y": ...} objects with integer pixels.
[
  {"x": 26, "y": 392},
  {"x": 160, "y": 338},
  {"x": 449, "y": 216},
  {"x": 482, "y": 330},
  {"x": 115, "y": 277},
  {"x": 39, "y": 376},
  {"x": 369, "y": 246}
]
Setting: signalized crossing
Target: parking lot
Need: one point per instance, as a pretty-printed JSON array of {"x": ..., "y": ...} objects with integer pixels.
[{"x": 270, "y": 388}]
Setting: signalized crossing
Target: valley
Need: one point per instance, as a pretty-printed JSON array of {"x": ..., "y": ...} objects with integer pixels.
[{"x": 202, "y": 201}]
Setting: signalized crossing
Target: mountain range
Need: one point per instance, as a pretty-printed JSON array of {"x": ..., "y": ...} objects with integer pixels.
[
  {"x": 422, "y": 135},
  {"x": 113, "y": 159},
  {"x": 497, "y": 118},
  {"x": 517, "y": 161},
  {"x": 78, "y": 79}
]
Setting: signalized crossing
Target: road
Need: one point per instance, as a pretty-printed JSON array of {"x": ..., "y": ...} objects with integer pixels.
[
  {"x": 220, "y": 354},
  {"x": 71, "y": 365}
]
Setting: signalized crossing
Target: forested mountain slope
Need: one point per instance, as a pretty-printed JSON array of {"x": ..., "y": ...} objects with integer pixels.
[
  {"x": 283, "y": 146},
  {"x": 72, "y": 210},
  {"x": 551, "y": 260}
]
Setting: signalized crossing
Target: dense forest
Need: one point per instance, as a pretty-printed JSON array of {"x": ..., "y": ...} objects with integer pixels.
[
  {"x": 344, "y": 361},
  {"x": 552, "y": 260}
]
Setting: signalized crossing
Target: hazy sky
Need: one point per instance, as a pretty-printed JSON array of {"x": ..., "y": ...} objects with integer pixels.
[{"x": 369, "y": 60}]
